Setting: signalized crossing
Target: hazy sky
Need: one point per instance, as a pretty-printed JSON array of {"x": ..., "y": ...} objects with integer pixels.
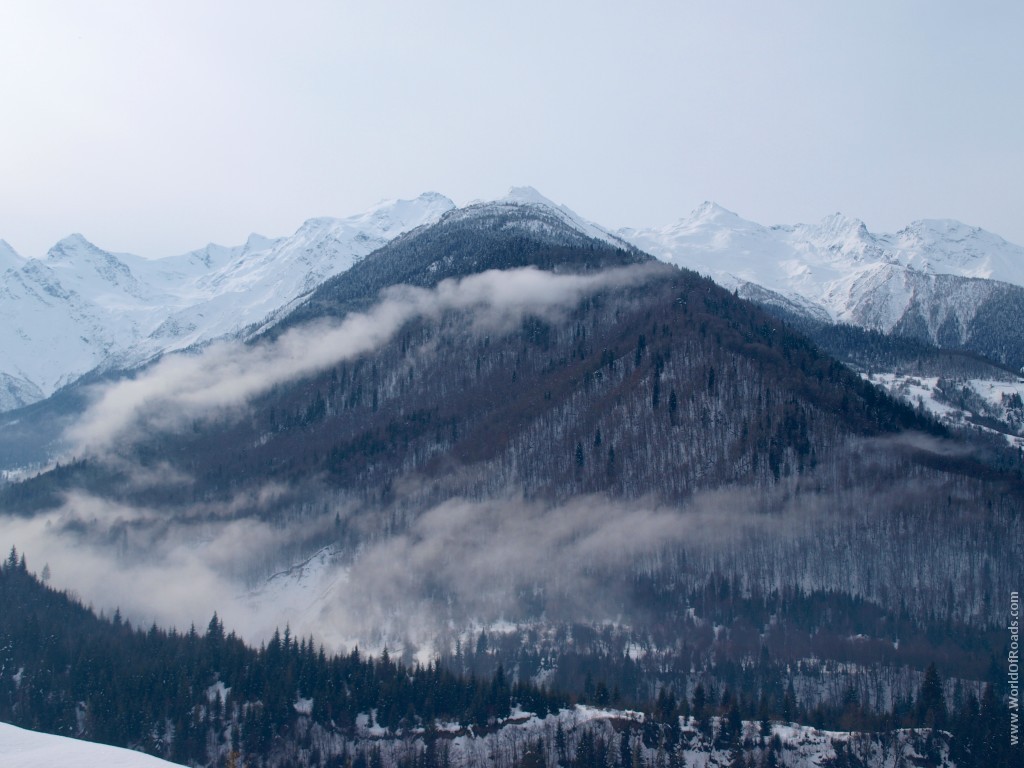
[{"x": 158, "y": 127}]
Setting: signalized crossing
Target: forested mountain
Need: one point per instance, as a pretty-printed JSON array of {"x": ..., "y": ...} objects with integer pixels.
[
  {"x": 509, "y": 443},
  {"x": 623, "y": 371},
  {"x": 938, "y": 300}
]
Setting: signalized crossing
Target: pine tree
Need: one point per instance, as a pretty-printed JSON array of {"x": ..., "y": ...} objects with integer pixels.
[{"x": 931, "y": 700}]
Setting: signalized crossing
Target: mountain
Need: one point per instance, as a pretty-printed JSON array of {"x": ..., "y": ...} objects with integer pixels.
[
  {"x": 522, "y": 229},
  {"x": 93, "y": 309},
  {"x": 9, "y": 258},
  {"x": 501, "y": 354},
  {"x": 586, "y": 322},
  {"x": 936, "y": 280},
  {"x": 531, "y": 198}
]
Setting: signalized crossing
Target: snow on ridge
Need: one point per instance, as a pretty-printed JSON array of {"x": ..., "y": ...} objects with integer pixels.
[
  {"x": 947, "y": 246},
  {"x": 66, "y": 246},
  {"x": 258, "y": 281},
  {"x": 711, "y": 211},
  {"x": 528, "y": 196}
]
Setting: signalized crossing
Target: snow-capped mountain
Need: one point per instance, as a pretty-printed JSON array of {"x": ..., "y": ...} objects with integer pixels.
[
  {"x": 509, "y": 451},
  {"x": 9, "y": 258},
  {"x": 86, "y": 308},
  {"x": 938, "y": 280},
  {"x": 837, "y": 269}
]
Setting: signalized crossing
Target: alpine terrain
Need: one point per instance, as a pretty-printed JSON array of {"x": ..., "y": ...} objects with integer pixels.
[{"x": 504, "y": 488}]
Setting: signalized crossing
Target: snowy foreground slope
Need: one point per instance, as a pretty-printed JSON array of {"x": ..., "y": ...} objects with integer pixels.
[
  {"x": 27, "y": 749},
  {"x": 89, "y": 308}
]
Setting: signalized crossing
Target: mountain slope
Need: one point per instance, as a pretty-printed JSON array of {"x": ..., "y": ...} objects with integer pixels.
[
  {"x": 932, "y": 281},
  {"x": 521, "y": 229},
  {"x": 288, "y": 705},
  {"x": 604, "y": 372}
]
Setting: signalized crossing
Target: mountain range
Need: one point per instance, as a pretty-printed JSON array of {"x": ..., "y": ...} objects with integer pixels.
[{"x": 940, "y": 281}]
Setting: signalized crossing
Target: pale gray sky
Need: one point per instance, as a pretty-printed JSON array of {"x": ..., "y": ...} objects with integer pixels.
[{"x": 156, "y": 127}]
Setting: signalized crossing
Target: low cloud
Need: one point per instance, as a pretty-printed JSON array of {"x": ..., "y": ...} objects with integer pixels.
[
  {"x": 514, "y": 560},
  {"x": 922, "y": 443},
  {"x": 459, "y": 563},
  {"x": 170, "y": 566},
  {"x": 370, "y": 581}
]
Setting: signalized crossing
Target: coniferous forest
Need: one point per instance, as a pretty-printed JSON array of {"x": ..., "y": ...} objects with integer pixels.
[{"x": 206, "y": 698}]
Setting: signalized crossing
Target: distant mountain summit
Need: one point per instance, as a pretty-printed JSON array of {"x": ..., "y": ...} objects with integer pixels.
[
  {"x": 528, "y": 196},
  {"x": 82, "y": 308},
  {"x": 9, "y": 258},
  {"x": 813, "y": 260},
  {"x": 938, "y": 281},
  {"x": 944, "y": 246}
]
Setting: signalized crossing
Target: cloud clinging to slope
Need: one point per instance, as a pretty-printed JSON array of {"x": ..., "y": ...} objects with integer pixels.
[{"x": 182, "y": 388}]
